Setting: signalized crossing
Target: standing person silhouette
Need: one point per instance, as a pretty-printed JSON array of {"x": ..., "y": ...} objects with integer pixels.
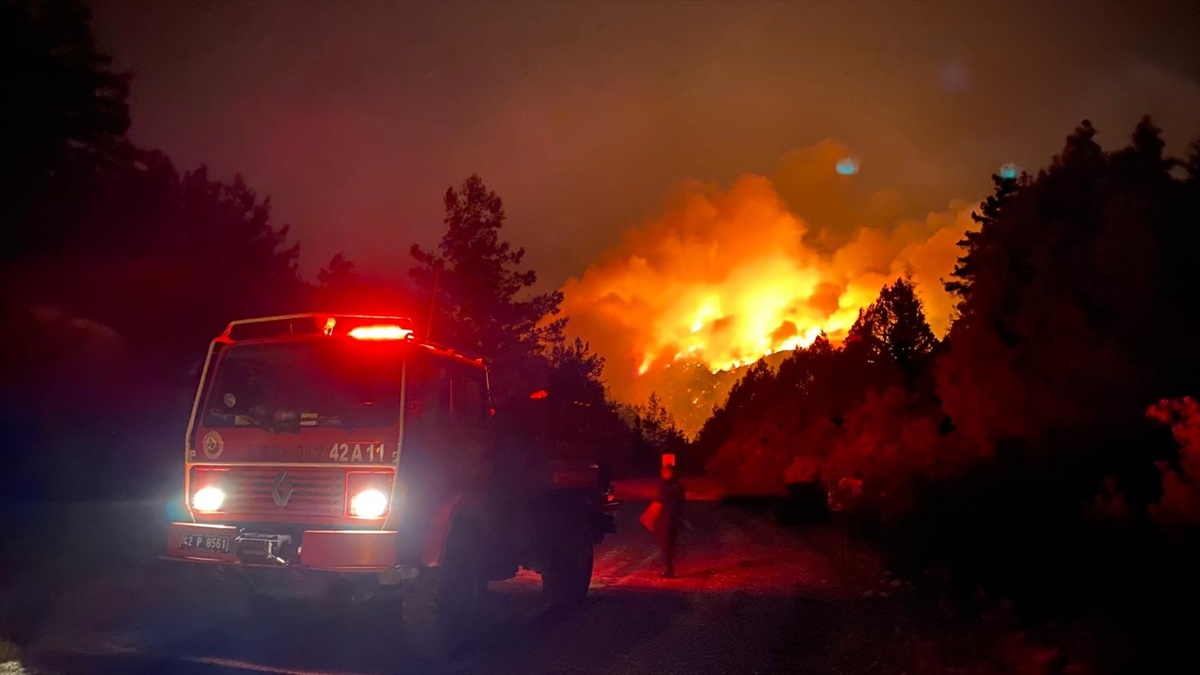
[{"x": 671, "y": 495}]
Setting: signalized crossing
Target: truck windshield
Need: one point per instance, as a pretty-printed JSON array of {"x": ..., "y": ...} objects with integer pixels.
[{"x": 286, "y": 387}]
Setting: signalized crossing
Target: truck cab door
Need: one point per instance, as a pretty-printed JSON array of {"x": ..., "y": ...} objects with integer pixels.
[
  {"x": 474, "y": 418},
  {"x": 448, "y": 451},
  {"x": 448, "y": 429}
]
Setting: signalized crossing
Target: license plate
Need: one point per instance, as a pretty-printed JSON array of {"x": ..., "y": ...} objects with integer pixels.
[{"x": 200, "y": 542}]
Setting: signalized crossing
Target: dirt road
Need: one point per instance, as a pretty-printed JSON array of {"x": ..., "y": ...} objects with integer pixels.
[{"x": 751, "y": 597}]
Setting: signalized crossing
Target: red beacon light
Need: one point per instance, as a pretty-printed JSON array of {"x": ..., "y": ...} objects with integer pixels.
[{"x": 380, "y": 332}]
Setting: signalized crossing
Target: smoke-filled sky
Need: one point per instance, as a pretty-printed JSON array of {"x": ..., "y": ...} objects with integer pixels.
[
  {"x": 724, "y": 276},
  {"x": 591, "y": 119}
]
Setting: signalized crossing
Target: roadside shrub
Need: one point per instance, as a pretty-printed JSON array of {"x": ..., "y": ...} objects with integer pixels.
[{"x": 1180, "y": 503}]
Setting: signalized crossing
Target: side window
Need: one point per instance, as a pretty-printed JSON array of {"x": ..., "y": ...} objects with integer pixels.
[
  {"x": 430, "y": 390},
  {"x": 448, "y": 392},
  {"x": 468, "y": 395},
  {"x": 474, "y": 396}
]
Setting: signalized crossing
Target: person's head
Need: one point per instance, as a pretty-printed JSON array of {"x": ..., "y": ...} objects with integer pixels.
[{"x": 668, "y": 471}]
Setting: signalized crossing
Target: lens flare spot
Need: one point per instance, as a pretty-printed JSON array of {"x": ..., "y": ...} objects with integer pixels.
[
  {"x": 954, "y": 77},
  {"x": 847, "y": 166},
  {"x": 1009, "y": 171}
]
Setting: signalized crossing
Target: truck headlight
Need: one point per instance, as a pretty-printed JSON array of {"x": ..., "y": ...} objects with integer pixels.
[
  {"x": 369, "y": 503},
  {"x": 369, "y": 493},
  {"x": 208, "y": 499}
]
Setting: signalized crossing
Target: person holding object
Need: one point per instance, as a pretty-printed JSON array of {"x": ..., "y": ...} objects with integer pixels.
[{"x": 671, "y": 496}]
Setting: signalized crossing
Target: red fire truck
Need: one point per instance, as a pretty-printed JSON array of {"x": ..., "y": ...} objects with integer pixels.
[{"x": 335, "y": 455}]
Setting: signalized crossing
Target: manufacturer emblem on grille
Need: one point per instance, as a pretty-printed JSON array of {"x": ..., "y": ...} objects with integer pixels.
[
  {"x": 213, "y": 445},
  {"x": 282, "y": 491}
]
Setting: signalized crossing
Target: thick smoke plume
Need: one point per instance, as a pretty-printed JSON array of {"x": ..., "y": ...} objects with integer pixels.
[{"x": 722, "y": 277}]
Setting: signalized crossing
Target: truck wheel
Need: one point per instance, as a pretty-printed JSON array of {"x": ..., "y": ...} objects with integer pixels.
[
  {"x": 446, "y": 608},
  {"x": 568, "y": 573}
]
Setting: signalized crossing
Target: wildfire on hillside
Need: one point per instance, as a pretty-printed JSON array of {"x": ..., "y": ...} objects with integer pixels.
[{"x": 723, "y": 277}]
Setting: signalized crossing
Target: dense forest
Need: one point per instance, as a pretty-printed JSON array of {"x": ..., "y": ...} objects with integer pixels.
[
  {"x": 1047, "y": 446},
  {"x": 1071, "y": 357}
]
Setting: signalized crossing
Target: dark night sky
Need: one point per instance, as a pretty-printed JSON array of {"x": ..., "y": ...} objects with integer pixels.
[{"x": 355, "y": 117}]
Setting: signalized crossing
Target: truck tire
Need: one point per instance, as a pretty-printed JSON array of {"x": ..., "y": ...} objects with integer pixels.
[
  {"x": 449, "y": 605},
  {"x": 568, "y": 573}
]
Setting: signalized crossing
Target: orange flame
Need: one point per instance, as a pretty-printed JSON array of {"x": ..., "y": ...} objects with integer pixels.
[{"x": 725, "y": 277}]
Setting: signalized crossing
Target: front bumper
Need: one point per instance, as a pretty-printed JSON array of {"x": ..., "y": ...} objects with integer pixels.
[{"x": 318, "y": 550}]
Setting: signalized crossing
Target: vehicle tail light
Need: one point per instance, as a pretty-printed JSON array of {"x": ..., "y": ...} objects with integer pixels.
[{"x": 368, "y": 494}]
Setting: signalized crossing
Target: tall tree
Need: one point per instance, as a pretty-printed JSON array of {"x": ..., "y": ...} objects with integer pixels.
[
  {"x": 975, "y": 243},
  {"x": 339, "y": 286},
  {"x": 339, "y": 273},
  {"x": 64, "y": 121},
  {"x": 475, "y": 280},
  {"x": 655, "y": 432},
  {"x": 579, "y": 401},
  {"x": 576, "y": 373},
  {"x": 210, "y": 253},
  {"x": 894, "y": 328}
]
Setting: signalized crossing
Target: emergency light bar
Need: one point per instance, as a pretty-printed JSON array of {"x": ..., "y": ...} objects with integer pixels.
[
  {"x": 380, "y": 332},
  {"x": 354, "y": 326},
  {"x": 299, "y": 325}
]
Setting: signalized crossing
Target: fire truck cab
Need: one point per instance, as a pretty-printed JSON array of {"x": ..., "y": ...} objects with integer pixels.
[{"x": 345, "y": 455}]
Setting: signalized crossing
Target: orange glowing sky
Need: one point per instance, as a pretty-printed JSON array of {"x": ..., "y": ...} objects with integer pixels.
[
  {"x": 725, "y": 276},
  {"x": 355, "y": 117}
]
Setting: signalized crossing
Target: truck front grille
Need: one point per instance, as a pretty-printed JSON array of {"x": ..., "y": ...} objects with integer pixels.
[{"x": 252, "y": 492}]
